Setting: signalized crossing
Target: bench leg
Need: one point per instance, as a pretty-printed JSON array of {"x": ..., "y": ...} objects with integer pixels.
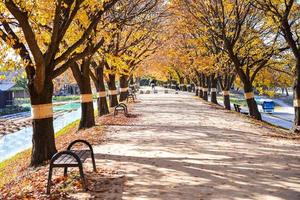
[
  {"x": 82, "y": 177},
  {"x": 124, "y": 111},
  {"x": 49, "y": 180},
  {"x": 93, "y": 161},
  {"x": 66, "y": 171}
]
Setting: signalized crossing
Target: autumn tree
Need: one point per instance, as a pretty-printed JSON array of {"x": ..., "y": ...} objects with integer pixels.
[
  {"x": 248, "y": 41},
  {"x": 37, "y": 32},
  {"x": 285, "y": 17}
]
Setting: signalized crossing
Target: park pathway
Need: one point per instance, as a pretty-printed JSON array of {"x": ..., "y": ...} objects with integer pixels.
[{"x": 182, "y": 148}]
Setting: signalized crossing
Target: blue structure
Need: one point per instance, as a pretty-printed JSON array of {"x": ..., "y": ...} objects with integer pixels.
[{"x": 268, "y": 106}]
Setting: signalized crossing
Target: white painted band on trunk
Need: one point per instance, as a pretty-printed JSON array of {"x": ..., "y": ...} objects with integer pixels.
[
  {"x": 42, "y": 111},
  {"x": 86, "y": 98},
  {"x": 296, "y": 103},
  {"x": 213, "y": 89},
  {"x": 205, "y": 89},
  {"x": 226, "y": 93},
  {"x": 249, "y": 95},
  {"x": 113, "y": 92},
  {"x": 123, "y": 89},
  {"x": 188, "y": 85},
  {"x": 172, "y": 85},
  {"x": 102, "y": 94},
  {"x": 201, "y": 88},
  {"x": 181, "y": 85}
]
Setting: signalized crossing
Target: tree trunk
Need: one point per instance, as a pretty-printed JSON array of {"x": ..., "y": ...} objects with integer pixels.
[
  {"x": 113, "y": 97},
  {"x": 123, "y": 88},
  {"x": 43, "y": 142},
  {"x": 87, "y": 115},
  {"x": 188, "y": 87},
  {"x": 197, "y": 90},
  {"x": 193, "y": 87},
  {"x": 101, "y": 101},
  {"x": 213, "y": 90},
  {"x": 252, "y": 105},
  {"x": 205, "y": 94},
  {"x": 181, "y": 84},
  {"x": 227, "y": 101},
  {"x": 200, "y": 92},
  {"x": 82, "y": 77},
  {"x": 296, "y": 127},
  {"x": 205, "y": 88},
  {"x": 225, "y": 83},
  {"x": 137, "y": 81}
]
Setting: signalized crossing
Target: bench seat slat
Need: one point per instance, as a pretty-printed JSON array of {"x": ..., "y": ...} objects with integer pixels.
[{"x": 70, "y": 160}]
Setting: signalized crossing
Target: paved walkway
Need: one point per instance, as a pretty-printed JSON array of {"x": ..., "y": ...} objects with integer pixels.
[{"x": 182, "y": 148}]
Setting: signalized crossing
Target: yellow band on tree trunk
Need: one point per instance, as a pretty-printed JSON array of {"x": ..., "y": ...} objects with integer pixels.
[
  {"x": 226, "y": 93},
  {"x": 113, "y": 92},
  {"x": 296, "y": 103},
  {"x": 123, "y": 89},
  {"x": 101, "y": 94},
  {"x": 42, "y": 111},
  {"x": 249, "y": 95},
  {"x": 86, "y": 98}
]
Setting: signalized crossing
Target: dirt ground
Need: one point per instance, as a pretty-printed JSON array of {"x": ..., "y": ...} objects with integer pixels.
[{"x": 184, "y": 149}]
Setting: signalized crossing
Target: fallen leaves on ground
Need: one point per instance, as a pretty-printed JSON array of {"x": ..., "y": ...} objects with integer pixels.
[
  {"x": 120, "y": 119},
  {"x": 31, "y": 183}
]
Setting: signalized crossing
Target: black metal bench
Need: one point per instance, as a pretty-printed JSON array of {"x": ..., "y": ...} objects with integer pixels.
[
  {"x": 238, "y": 109},
  {"x": 134, "y": 94},
  {"x": 121, "y": 107},
  {"x": 130, "y": 97},
  {"x": 71, "y": 158}
]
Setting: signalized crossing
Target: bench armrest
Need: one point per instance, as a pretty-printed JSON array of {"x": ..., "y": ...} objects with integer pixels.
[
  {"x": 123, "y": 105},
  {"x": 80, "y": 141}
]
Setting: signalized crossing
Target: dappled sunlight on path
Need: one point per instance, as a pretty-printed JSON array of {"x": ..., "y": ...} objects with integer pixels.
[{"x": 182, "y": 148}]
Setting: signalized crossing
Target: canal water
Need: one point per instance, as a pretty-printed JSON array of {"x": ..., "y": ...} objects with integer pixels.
[{"x": 14, "y": 143}]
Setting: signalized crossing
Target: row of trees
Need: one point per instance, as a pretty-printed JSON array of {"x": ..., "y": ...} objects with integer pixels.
[
  {"x": 96, "y": 40},
  {"x": 253, "y": 43}
]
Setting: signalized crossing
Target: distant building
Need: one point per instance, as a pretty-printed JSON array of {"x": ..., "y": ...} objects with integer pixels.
[
  {"x": 9, "y": 91},
  {"x": 6, "y": 94}
]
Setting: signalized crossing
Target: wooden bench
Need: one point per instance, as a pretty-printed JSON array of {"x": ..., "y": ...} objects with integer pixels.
[
  {"x": 121, "y": 107},
  {"x": 71, "y": 158}
]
